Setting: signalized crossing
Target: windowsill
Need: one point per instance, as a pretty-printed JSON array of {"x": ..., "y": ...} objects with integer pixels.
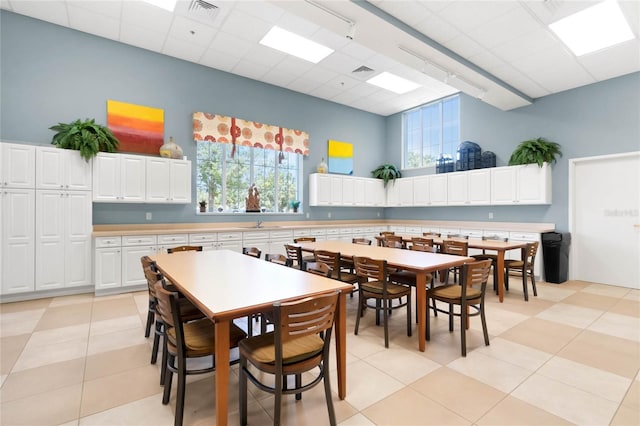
[{"x": 198, "y": 213}]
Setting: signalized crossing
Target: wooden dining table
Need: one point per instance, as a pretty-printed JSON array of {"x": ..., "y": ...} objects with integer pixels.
[
  {"x": 420, "y": 263},
  {"x": 226, "y": 285},
  {"x": 500, "y": 247}
]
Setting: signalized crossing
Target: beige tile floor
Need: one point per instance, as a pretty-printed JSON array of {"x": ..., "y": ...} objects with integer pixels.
[{"x": 569, "y": 356}]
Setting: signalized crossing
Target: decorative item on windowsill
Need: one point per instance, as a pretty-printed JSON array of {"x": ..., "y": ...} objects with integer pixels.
[
  {"x": 322, "y": 167},
  {"x": 386, "y": 172},
  {"x": 85, "y": 136},
  {"x": 535, "y": 151},
  {"x": 444, "y": 164},
  {"x": 203, "y": 206},
  {"x": 253, "y": 200},
  {"x": 171, "y": 150},
  {"x": 294, "y": 204},
  {"x": 468, "y": 156}
]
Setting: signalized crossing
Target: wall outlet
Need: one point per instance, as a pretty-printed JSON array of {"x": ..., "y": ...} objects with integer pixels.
[
  {"x": 148, "y": 216},
  {"x": 329, "y": 215},
  {"x": 490, "y": 215}
]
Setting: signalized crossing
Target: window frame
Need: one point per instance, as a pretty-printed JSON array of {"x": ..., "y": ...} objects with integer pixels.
[{"x": 404, "y": 134}]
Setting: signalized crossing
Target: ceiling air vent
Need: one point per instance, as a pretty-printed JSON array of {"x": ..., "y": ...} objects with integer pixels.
[
  {"x": 362, "y": 69},
  {"x": 203, "y": 9}
]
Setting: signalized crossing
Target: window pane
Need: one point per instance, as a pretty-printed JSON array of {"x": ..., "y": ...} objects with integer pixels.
[
  {"x": 209, "y": 181},
  {"x": 238, "y": 178}
]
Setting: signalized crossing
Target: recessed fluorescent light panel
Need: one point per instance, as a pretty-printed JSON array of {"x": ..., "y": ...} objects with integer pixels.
[
  {"x": 295, "y": 45},
  {"x": 393, "y": 83},
  {"x": 595, "y": 28},
  {"x": 169, "y": 5}
]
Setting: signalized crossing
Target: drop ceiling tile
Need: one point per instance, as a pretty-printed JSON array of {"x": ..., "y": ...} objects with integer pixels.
[
  {"x": 265, "y": 55},
  {"x": 497, "y": 31},
  {"x": 540, "y": 39},
  {"x": 465, "y": 46},
  {"x": 303, "y": 85},
  {"x": 468, "y": 15},
  {"x": 141, "y": 37},
  {"x": 260, "y": 9},
  {"x": 325, "y": 91},
  {"x": 230, "y": 44},
  {"x": 340, "y": 63},
  {"x": 554, "y": 73},
  {"x": 293, "y": 65},
  {"x": 614, "y": 61},
  {"x": 279, "y": 78},
  {"x": 329, "y": 39},
  {"x": 297, "y": 25},
  {"x": 219, "y": 60},
  {"x": 147, "y": 16},
  {"x": 320, "y": 74},
  {"x": 409, "y": 12},
  {"x": 50, "y": 11},
  {"x": 438, "y": 29},
  {"x": 93, "y": 23},
  {"x": 365, "y": 89},
  {"x": 183, "y": 49},
  {"x": 246, "y": 27},
  {"x": 549, "y": 12},
  {"x": 250, "y": 69},
  {"x": 191, "y": 31},
  {"x": 346, "y": 97},
  {"x": 112, "y": 9},
  {"x": 343, "y": 82},
  {"x": 357, "y": 51}
]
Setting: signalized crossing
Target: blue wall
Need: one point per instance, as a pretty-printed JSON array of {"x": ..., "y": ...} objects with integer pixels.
[{"x": 51, "y": 74}]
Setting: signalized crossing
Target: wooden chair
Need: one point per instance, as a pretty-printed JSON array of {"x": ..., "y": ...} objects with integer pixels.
[
  {"x": 347, "y": 264},
  {"x": 422, "y": 241},
  {"x": 469, "y": 295},
  {"x": 185, "y": 340},
  {"x": 184, "y": 248},
  {"x": 302, "y": 240},
  {"x": 319, "y": 268},
  {"x": 384, "y": 234},
  {"x": 363, "y": 241},
  {"x": 332, "y": 260},
  {"x": 278, "y": 258},
  {"x": 458, "y": 236},
  {"x": 491, "y": 256},
  {"x": 148, "y": 264},
  {"x": 374, "y": 284},
  {"x": 294, "y": 253},
  {"x": 431, "y": 234},
  {"x": 525, "y": 266},
  {"x": 394, "y": 241},
  {"x": 455, "y": 247},
  {"x": 408, "y": 277},
  {"x": 252, "y": 251},
  {"x": 299, "y": 343}
]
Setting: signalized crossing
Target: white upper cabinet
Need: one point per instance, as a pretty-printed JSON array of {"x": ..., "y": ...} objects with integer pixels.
[
  {"x": 62, "y": 169},
  {"x": 168, "y": 181},
  {"x": 373, "y": 192},
  {"x": 319, "y": 189},
  {"x": 119, "y": 178},
  {"x": 421, "y": 191},
  {"x": 348, "y": 191},
  {"x": 471, "y": 187},
  {"x": 17, "y": 163},
  {"x": 528, "y": 184},
  {"x": 400, "y": 192},
  {"x": 438, "y": 190}
]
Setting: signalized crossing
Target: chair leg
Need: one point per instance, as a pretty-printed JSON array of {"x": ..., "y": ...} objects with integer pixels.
[
  {"x": 150, "y": 319},
  {"x": 250, "y": 326},
  {"x": 242, "y": 390},
  {"x": 409, "y": 315},
  {"x": 428, "y": 322},
  {"x": 524, "y": 284},
  {"x": 327, "y": 394},
  {"x": 168, "y": 379},
  {"x": 450, "y": 317},
  {"x": 533, "y": 284},
  {"x": 385, "y": 317},
  {"x": 165, "y": 357},
  {"x": 506, "y": 279},
  {"x": 298, "y": 386},
  {"x": 182, "y": 378},
  {"x": 278, "y": 399},
  {"x": 360, "y": 301},
  {"x": 156, "y": 342},
  {"x": 463, "y": 329},
  {"x": 484, "y": 324}
]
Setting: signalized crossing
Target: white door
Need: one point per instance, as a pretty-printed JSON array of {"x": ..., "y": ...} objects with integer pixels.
[
  {"x": 158, "y": 181},
  {"x": 78, "y": 230},
  {"x": 50, "y": 239},
  {"x": 50, "y": 168},
  {"x": 18, "y": 248},
  {"x": 18, "y": 165},
  {"x": 604, "y": 219}
]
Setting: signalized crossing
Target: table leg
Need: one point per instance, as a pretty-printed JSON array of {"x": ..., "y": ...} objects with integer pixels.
[
  {"x": 421, "y": 306},
  {"x": 222, "y": 371},
  {"x": 500, "y": 274},
  {"x": 341, "y": 344}
]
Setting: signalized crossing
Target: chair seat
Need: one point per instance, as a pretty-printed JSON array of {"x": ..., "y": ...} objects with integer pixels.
[
  {"x": 454, "y": 292},
  {"x": 346, "y": 277},
  {"x": 485, "y": 256},
  {"x": 261, "y": 348},
  {"x": 188, "y": 310},
  {"x": 376, "y": 287},
  {"x": 199, "y": 337},
  {"x": 513, "y": 263}
]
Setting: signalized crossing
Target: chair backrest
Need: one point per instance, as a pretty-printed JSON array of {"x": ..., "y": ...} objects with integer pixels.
[
  {"x": 363, "y": 241},
  {"x": 152, "y": 276},
  {"x": 475, "y": 274},
  {"x": 300, "y": 318},
  {"x": 459, "y": 236},
  {"x": 531, "y": 250},
  {"x": 394, "y": 241},
  {"x": 319, "y": 268},
  {"x": 164, "y": 307},
  {"x": 294, "y": 253},
  {"x": 302, "y": 239},
  {"x": 422, "y": 246},
  {"x": 384, "y": 233},
  {"x": 278, "y": 258},
  {"x": 459, "y": 248},
  {"x": 184, "y": 248},
  {"x": 431, "y": 234},
  {"x": 494, "y": 238},
  {"x": 367, "y": 268},
  {"x": 422, "y": 240},
  {"x": 252, "y": 251},
  {"x": 330, "y": 258}
]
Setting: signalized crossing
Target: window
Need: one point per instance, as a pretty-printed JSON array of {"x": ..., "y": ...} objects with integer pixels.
[
  {"x": 223, "y": 182},
  {"x": 429, "y": 131}
]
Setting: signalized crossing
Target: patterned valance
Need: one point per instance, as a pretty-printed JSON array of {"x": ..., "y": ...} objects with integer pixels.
[{"x": 218, "y": 128}]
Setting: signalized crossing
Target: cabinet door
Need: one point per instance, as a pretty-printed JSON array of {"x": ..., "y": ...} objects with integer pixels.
[
  {"x": 348, "y": 191},
  {"x": 181, "y": 181},
  {"x": 534, "y": 184},
  {"x": 132, "y": 181},
  {"x": 319, "y": 190},
  {"x": 359, "y": 191},
  {"x": 77, "y": 172},
  {"x": 106, "y": 178},
  {"x": 393, "y": 193},
  {"x": 50, "y": 239},
  {"x": 50, "y": 168},
  {"x": 18, "y": 247},
  {"x": 77, "y": 247},
  {"x": 335, "y": 182},
  {"x": 479, "y": 187},
  {"x": 132, "y": 273},
  {"x": 374, "y": 192},
  {"x": 438, "y": 190},
  {"x": 108, "y": 264},
  {"x": 421, "y": 191},
  {"x": 503, "y": 185},
  {"x": 158, "y": 180},
  {"x": 457, "y": 188},
  {"x": 405, "y": 191},
  {"x": 18, "y": 165}
]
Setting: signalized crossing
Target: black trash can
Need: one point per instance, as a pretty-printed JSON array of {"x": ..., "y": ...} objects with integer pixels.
[{"x": 555, "y": 249}]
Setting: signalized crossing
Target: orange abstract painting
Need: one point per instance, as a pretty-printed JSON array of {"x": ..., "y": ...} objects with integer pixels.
[{"x": 138, "y": 128}]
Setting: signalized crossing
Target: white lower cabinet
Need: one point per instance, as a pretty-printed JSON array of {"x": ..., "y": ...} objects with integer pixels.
[
  {"x": 17, "y": 227},
  {"x": 132, "y": 273},
  {"x": 63, "y": 239},
  {"x": 108, "y": 263}
]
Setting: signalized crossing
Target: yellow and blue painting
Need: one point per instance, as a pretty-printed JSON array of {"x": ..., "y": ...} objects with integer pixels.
[{"x": 340, "y": 157}]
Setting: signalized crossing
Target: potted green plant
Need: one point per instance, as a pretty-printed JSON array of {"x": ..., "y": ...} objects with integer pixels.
[
  {"x": 294, "y": 205},
  {"x": 537, "y": 151},
  {"x": 386, "y": 172},
  {"x": 203, "y": 206},
  {"x": 85, "y": 136}
]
